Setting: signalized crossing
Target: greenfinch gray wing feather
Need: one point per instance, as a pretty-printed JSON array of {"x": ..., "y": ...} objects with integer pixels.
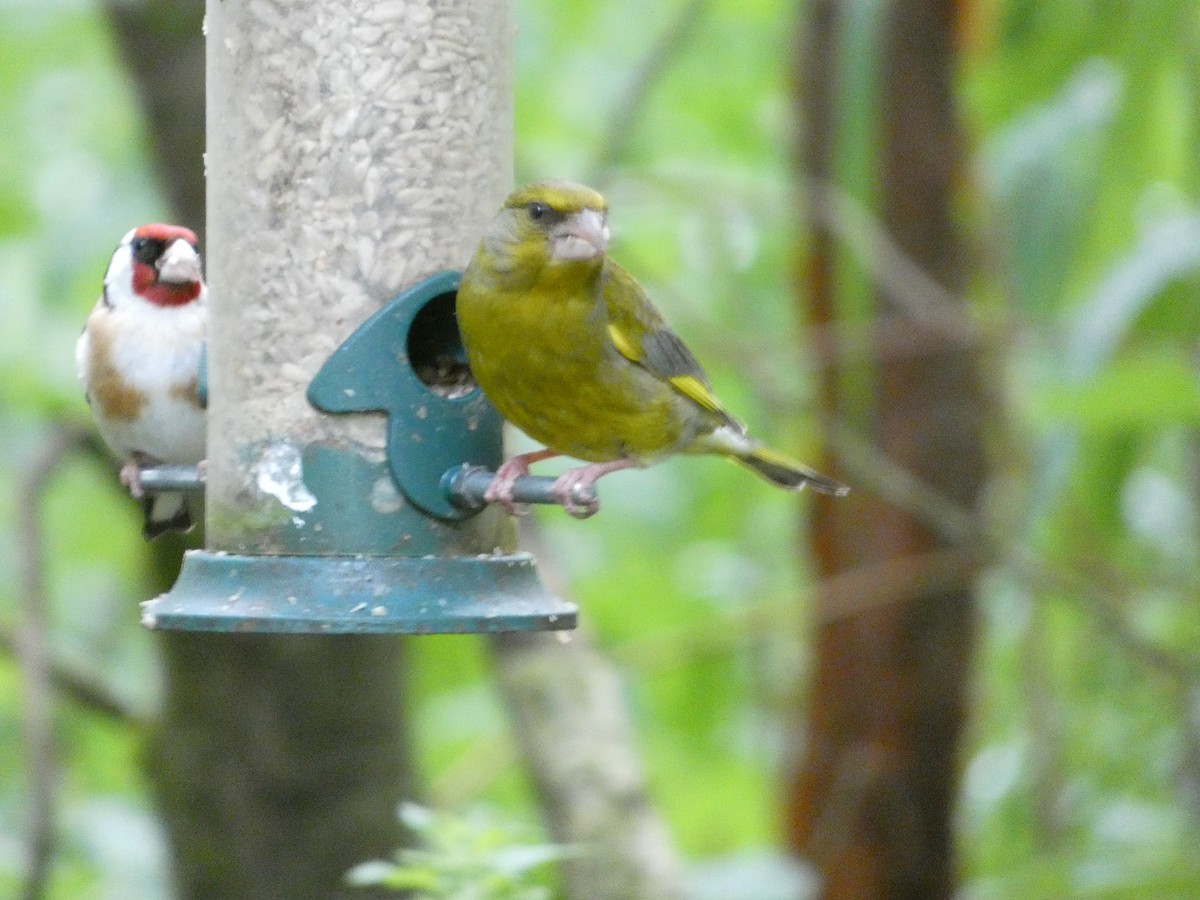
[{"x": 641, "y": 335}]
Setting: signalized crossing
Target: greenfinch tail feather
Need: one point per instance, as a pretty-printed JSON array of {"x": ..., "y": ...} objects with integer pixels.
[{"x": 787, "y": 473}]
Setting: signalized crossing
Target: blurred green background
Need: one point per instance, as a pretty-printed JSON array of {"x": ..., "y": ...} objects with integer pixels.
[{"x": 1081, "y": 212}]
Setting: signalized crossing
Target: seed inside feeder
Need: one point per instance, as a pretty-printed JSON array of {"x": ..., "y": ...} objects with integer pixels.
[{"x": 436, "y": 352}]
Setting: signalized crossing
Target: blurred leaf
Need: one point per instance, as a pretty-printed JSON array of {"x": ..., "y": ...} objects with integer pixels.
[
  {"x": 1137, "y": 391},
  {"x": 1042, "y": 172},
  {"x": 519, "y": 860},
  {"x": 1166, "y": 251},
  {"x": 752, "y": 876},
  {"x": 390, "y": 875},
  {"x": 125, "y": 842},
  {"x": 473, "y": 856},
  {"x": 419, "y": 818}
]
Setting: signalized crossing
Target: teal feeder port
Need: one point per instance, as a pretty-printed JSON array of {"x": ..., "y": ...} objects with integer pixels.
[
  {"x": 408, "y": 361},
  {"x": 402, "y": 544}
]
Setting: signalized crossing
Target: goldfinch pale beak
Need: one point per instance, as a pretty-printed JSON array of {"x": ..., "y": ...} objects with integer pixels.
[
  {"x": 582, "y": 236},
  {"x": 179, "y": 263}
]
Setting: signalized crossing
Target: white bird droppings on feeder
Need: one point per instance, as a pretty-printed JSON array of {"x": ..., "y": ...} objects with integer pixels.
[
  {"x": 385, "y": 498},
  {"x": 278, "y": 473}
]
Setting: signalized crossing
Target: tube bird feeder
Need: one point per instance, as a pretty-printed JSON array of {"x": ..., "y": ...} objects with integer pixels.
[{"x": 354, "y": 152}]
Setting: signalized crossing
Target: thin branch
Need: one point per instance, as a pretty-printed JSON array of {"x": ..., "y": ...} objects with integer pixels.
[
  {"x": 30, "y": 647},
  {"x": 75, "y": 682},
  {"x": 83, "y": 687},
  {"x": 923, "y": 300},
  {"x": 572, "y": 726},
  {"x": 1044, "y": 717},
  {"x": 917, "y": 293},
  {"x": 920, "y": 297},
  {"x": 633, "y": 101},
  {"x": 875, "y": 470},
  {"x": 870, "y": 468},
  {"x": 573, "y": 729},
  {"x": 161, "y": 48},
  {"x": 897, "y": 579}
]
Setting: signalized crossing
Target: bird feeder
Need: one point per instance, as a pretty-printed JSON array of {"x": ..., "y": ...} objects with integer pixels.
[{"x": 353, "y": 155}]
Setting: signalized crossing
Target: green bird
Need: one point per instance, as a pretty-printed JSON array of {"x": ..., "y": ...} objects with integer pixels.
[{"x": 570, "y": 349}]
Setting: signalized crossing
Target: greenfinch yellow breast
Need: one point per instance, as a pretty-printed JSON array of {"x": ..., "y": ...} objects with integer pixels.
[{"x": 570, "y": 349}]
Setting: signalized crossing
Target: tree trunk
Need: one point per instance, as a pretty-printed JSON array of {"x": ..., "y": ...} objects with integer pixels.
[
  {"x": 280, "y": 760},
  {"x": 871, "y": 804},
  {"x": 162, "y": 48}
]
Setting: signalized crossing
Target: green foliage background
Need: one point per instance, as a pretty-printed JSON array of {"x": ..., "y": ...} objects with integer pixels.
[{"x": 1081, "y": 209}]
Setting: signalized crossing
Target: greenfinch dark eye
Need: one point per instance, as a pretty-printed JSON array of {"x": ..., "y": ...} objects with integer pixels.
[{"x": 537, "y": 210}]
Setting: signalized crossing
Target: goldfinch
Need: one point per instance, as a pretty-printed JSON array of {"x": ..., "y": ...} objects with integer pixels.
[{"x": 139, "y": 360}]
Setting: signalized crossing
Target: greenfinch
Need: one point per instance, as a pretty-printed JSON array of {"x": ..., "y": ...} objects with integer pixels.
[{"x": 570, "y": 349}]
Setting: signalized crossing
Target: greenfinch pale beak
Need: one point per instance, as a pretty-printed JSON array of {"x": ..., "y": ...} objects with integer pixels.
[
  {"x": 581, "y": 236},
  {"x": 179, "y": 263}
]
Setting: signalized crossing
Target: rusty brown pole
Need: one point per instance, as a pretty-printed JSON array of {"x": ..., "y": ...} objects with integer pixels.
[{"x": 871, "y": 802}]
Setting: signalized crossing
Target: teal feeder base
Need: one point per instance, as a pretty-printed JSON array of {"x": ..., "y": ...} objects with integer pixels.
[
  {"x": 358, "y": 595},
  {"x": 377, "y": 548}
]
